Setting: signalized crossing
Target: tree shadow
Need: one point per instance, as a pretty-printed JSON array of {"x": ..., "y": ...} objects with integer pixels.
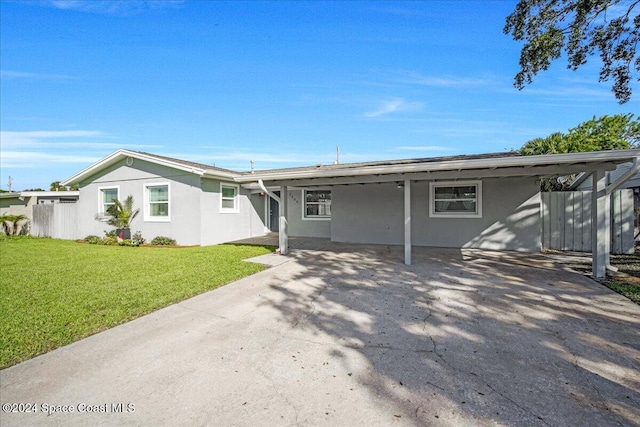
[{"x": 471, "y": 337}]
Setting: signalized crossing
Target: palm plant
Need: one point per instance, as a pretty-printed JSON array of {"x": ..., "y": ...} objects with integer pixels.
[
  {"x": 121, "y": 214},
  {"x": 10, "y": 223}
]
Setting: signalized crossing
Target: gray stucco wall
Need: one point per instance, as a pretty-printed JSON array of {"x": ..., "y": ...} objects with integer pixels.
[
  {"x": 15, "y": 206},
  {"x": 300, "y": 227},
  {"x": 218, "y": 227},
  {"x": 184, "y": 190},
  {"x": 194, "y": 205},
  {"x": 374, "y": 213},
  {"x": 370, "y": 213}
]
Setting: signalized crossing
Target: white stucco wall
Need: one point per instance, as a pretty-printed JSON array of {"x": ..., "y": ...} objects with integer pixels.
[{"x": 374, "y": 213}]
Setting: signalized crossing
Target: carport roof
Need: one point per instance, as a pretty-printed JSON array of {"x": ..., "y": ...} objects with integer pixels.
[{"x": 450, "y": 167}]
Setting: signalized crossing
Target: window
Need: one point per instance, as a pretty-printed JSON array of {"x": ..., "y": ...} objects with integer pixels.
[
  {"x": 107, "y": 195},
  {"x": 157, "y": 202},
  {"x": 317, "y": 204},
  {"x": 456, "y": 199},
  {"x": 228, "y": 198}
]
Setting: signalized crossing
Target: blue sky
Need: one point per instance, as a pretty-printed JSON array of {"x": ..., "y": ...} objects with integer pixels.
[{"x": 280, "y": 83}]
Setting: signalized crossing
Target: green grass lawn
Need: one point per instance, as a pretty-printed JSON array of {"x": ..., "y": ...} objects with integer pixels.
[{"x": 54, "y": 292}]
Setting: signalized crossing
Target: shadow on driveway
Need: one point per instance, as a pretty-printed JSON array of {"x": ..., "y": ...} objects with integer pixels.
[
  {"x": 472, "y": 337},
  {"x": 349, "y": 335}
]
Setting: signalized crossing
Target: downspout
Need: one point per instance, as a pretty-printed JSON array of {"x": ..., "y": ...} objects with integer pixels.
[{"x": 268, "y": 192}]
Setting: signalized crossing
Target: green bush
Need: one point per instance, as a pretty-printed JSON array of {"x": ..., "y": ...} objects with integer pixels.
[
  {"x": 137, "y": 239},
  {"x": 110, "y": 241},
  {"x": 94, "y": 240},
  {"x": 163, "y": 241}
]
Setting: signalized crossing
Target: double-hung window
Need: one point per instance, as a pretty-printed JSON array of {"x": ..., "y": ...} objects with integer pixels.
[
  {"x": 106, "y": 199},
  {"x": 229, "y": 198},
  {"x": 458, "y": 199},
  {"x": 317, "y": 204},
  {"x": 157, "y": 205}
]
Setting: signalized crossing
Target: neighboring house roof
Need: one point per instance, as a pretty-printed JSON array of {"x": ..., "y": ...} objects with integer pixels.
[
  {"x": 183, "y": 165},
  {"x": 582, "y": 181},
  {"x": 39, "y": 194},
  {"x": 9, "y": 195}
]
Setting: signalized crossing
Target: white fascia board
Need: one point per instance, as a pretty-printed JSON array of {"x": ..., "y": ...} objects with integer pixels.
[
  {"x": 9, "y": 195},
  {"x": 50, "y": 193},
  {"x": 212, "y": 173},
  {"x": 510, "y": 161},
  {"x": 123, "y": 154}
]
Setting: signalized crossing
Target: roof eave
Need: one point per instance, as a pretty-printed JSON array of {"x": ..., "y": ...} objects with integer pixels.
[
  {"x": 120, "y": 154},
  {"x": 507, "y": 161}
]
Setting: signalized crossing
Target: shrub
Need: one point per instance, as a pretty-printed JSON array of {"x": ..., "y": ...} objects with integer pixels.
[
  {"x": 94, "y": 240},
  {"x": 137, "y": 239},
  {"x": 163, "y": 241},
  {"x": 110, "y": 241}
]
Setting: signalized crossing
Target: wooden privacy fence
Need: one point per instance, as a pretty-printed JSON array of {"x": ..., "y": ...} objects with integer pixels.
[
  {"x": 566, "y": 221},
  {"x": 57, "y": 220}
]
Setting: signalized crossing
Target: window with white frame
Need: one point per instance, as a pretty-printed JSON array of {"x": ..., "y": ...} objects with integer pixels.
[
  {"x": 157, "y": 202},
  {"x": 317, "y": 204},
  {"x": 106, "y": 198},
  {"x": 229, "y": 198},
  {"x": 461, "y": 199}
]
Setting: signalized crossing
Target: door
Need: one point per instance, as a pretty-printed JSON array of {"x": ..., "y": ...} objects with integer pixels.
[{"x": 274, "y": 213}]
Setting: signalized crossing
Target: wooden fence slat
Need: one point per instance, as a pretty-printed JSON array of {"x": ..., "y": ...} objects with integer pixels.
[
  {"x": 566, "y": 221},
  {"x": 56, "y": 220}
]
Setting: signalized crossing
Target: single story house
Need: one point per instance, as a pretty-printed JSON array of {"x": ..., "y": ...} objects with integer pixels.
[{"x": 487, "y": 201}]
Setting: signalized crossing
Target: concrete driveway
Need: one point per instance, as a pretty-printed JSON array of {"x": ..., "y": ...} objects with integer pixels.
[{"x": 349, "y": 336}]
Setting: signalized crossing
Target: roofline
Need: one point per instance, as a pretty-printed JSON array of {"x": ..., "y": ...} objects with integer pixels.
[
  {"x": 9, "y": 194},
  {"x": 496, "y": 162},
  {"x": 50, "y": 193},
  {"x": 39, "y": 193},
  {"x": 123, "y": 153}
]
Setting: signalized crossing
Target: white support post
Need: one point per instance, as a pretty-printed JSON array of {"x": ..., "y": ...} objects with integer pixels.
[
  {"x": 407, "y": 221},
  {"x": 600, "y": 225},
  {"x": 283, "y": 233}
]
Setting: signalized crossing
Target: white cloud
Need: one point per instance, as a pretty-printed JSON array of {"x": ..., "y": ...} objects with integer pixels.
[
  {"x": 241, "y": 160},
  {"x": 439, "y": 81},
  {"x": 34, "y": 159},
  {"x": 10, "y": 74},
  {"x": 425, "y": 148},
  {"x": 129, "y": 7},
  {"x": 35, "y": 138},
  {"x": 53, "y": 140},
  {"x": 391, "y": 106}
]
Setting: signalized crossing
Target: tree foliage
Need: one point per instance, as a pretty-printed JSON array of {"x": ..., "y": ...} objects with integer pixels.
[
  {"x": 580, "y": 28},
  {"x": 56, "y": 186},
  {"x": 616, "y": 132}
]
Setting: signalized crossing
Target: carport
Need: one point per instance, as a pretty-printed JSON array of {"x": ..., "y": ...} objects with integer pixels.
[{"x": 406, "y": 174}]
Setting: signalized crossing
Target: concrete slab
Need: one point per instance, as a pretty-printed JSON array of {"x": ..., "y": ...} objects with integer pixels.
[{"x": 351, "y": 336}]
